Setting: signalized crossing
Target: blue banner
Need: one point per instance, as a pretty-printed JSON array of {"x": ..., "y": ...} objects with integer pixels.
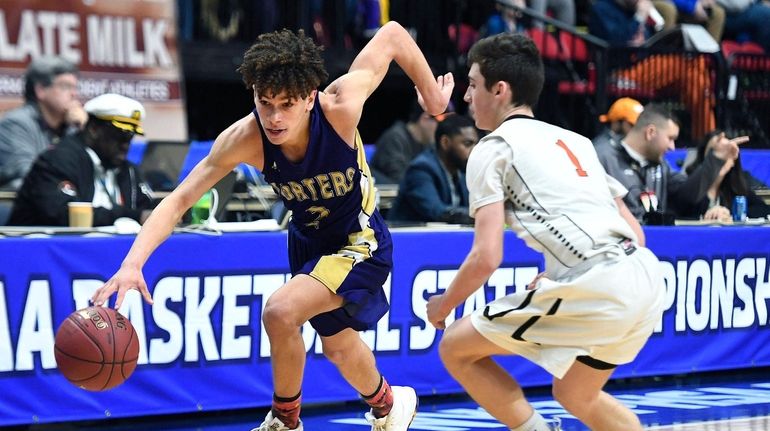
[
  {"x": 754, "y": 161},
  {"x": 203, "y": 348}
]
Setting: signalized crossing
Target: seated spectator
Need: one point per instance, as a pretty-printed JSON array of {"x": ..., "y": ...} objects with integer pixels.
[
  {"x": 433, "y": 188},
  {"x": 562, "y": 10},
  {"x": 656, "y": 194},
  {"x": 504, "y": 19},
  {"x": 668, "y": 12},
  {"x": 731, "y": 181},
  {"x": 89, "y": 166},
  {"x": 748, "y": 18},
  {"x": 624, "y": 23},
  {"x": 507, "y": 19},
  {"x": 707, "y": 13},
  {"x": 401, "y": 143},
  {"x": 620, "y": 118},
  {"x": 51, "y": 110}
]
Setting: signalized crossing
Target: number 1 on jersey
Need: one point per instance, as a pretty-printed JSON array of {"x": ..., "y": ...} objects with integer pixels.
[{"x": 573, "y": 159}]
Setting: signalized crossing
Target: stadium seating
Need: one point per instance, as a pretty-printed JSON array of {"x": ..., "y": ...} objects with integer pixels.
[{"x": 748, "y": 91}]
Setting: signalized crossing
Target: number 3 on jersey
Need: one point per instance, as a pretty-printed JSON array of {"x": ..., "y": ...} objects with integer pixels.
[{"x": 572, "y": 158}]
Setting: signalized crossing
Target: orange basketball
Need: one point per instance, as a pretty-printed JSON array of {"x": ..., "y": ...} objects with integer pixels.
[{"x": 96, "y": 348}]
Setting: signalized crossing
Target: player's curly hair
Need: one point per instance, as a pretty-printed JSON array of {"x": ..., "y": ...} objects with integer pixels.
[{"x": 283, "y": 61}]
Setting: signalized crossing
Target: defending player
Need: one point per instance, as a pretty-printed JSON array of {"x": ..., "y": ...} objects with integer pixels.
[
  {"x": 307, "y": 145},
  {"x": 601, "y": 293}
]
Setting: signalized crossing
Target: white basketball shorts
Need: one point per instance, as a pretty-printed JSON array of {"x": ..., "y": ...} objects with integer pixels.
[{"x": 607, "y": 312}]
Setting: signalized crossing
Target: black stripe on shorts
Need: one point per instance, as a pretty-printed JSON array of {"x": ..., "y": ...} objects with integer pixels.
[{"x": 595, "y": 363}]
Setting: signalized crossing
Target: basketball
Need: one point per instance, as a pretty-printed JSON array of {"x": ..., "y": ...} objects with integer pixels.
[{"x": 96, "y": 348}]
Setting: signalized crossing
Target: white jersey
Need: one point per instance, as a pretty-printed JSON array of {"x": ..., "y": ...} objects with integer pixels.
[{"x": 558, "y": 197}]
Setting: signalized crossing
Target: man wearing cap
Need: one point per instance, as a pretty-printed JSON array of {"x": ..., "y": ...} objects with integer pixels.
[
  {"x": 620, "y": 118},
  {"x": 51, "y": 110},
  {"x": 656, "y": 193},
  {"x": 89, "y": 166}
]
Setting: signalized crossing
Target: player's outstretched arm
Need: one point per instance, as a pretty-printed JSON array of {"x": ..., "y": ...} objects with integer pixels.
[
  {"x": 485, "y": 256},
  {"x": 224, "y": 156},
  {"x": 391, "y": 43}
]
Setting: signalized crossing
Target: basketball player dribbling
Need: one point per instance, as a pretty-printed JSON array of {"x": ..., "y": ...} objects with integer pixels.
[
  {"x": 601, "y": 293},
  {"x": 307, "y": 145}
]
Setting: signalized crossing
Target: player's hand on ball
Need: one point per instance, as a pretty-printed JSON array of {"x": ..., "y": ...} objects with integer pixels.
[
  {"x": 125, "y": 279},
  {"x": 436, "y": 316}
]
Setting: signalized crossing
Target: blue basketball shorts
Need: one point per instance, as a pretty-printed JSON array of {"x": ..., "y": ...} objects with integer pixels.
[{"x": 355, "y": 268}]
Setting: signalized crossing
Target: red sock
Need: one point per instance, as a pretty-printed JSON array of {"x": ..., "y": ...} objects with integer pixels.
[
  {"x": 287, "y": 409},
  {"x": 381, "y": 401}
]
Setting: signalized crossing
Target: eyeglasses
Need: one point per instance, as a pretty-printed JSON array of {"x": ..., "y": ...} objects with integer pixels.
[{"x": 66, "y": 86}]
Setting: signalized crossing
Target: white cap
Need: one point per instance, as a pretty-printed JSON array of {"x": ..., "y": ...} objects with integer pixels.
[{"x": 123, "y": 112}]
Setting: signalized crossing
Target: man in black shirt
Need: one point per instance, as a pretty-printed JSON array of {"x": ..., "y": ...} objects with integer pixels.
[
  {"x": 656, "y": 194},
  {"x": 89, "y": 166}
]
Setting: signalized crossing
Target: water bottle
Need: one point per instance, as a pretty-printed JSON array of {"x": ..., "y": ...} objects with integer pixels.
[
  {"x": 739, "y": 208},
  {"x": 200, "y": 211}
]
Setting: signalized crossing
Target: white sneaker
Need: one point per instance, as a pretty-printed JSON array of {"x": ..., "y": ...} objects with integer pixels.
[
  {"x": 401, "y": 415},
  {"x": 556, "y": 426},
  {"x": 274, "y": 424}
]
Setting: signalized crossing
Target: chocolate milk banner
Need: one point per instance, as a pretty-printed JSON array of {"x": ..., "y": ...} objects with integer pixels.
[
  {"x": 127, "y": 47},
  {"x": 203, "y": 347}
]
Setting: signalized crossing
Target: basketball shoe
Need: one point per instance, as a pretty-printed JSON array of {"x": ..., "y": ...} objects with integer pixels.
[
  {"x": 402, "y": 413},
  {"x": 556, "y": 426},
  {"x": 274, "y": 424}
]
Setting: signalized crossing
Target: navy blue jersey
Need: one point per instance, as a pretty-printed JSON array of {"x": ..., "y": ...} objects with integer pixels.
[
  {"x": 329, "y": 192},
  {"x": 335, "y": 234}
]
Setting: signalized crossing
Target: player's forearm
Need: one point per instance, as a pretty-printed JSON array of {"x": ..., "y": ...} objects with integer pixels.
[
  {"x": 155, "y": 230},
  {"x": 412, "y": 61},
  {"x": 393, "y": 43},
  {"x": 473, "y": 273},
  {"x": 484, "y": 258}
]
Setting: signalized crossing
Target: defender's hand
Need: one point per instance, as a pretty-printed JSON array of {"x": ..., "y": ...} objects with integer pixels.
[{"x": 436, "y": 316}]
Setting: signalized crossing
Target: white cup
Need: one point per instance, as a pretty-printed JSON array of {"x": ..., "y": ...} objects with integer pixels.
[{"x": 81, "y": 214}]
